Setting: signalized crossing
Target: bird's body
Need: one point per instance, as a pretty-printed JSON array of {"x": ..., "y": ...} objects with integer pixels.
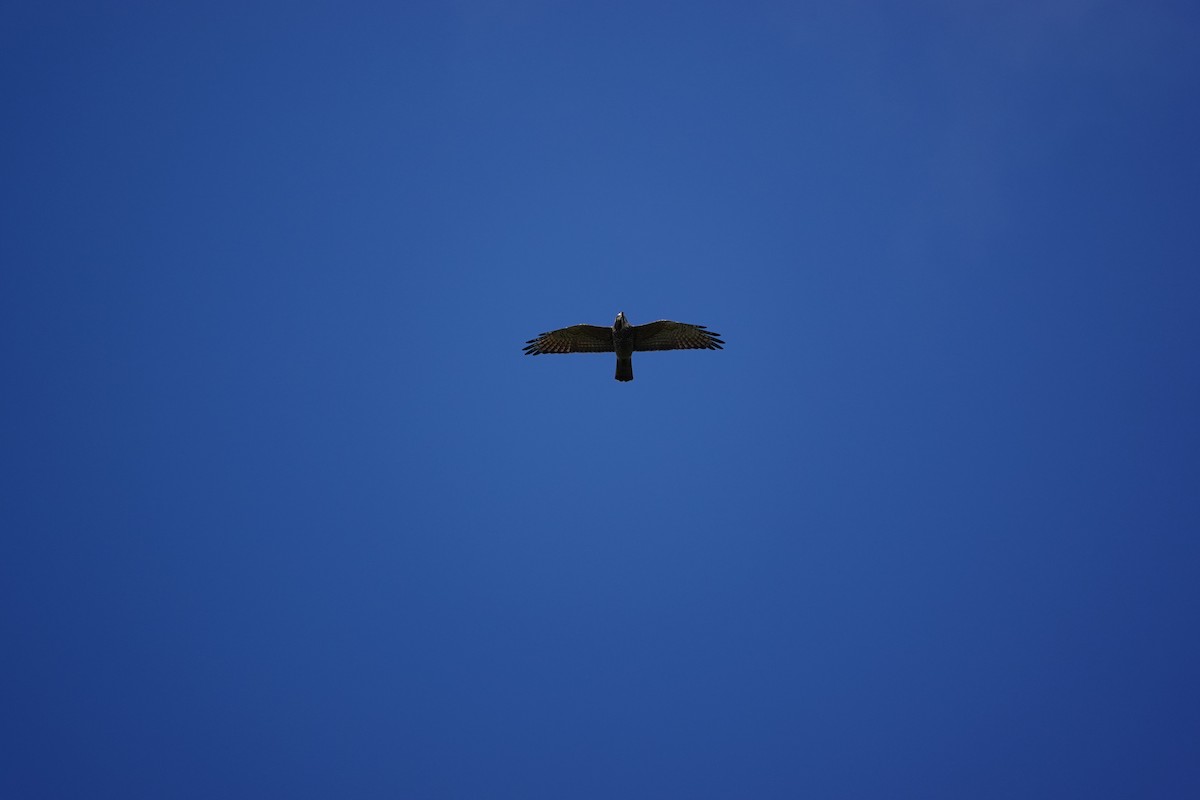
[{"x": 624, "y": 340}]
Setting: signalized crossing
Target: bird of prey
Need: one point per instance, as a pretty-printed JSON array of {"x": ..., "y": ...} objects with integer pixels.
[{"x": 624, "y": 340}]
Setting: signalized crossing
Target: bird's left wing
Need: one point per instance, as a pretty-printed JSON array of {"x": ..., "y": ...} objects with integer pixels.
[
  {"x": 668, "y": 335},
  {"x": 575, "y": 339}
]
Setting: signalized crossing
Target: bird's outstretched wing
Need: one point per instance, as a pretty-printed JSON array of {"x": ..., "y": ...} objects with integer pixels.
[
  {"x": 667, "y": 335},
  {"x": 575, "y": 339}
]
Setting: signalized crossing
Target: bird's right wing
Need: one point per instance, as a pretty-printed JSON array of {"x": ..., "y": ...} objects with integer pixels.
[{"x": 575, "y": 339}]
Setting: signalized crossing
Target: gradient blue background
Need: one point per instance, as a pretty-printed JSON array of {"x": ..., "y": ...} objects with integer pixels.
[{"x": 286, "y": 513}]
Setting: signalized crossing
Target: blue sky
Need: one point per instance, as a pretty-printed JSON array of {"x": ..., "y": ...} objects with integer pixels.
[{"x": 288, "y": 514}]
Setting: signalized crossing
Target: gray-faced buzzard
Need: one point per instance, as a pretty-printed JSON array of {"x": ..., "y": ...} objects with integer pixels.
[{"x": 624, "y": 340}]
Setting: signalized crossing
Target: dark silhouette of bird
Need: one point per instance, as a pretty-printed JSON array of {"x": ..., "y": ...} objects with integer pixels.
[{"x": 625, "y": 340}]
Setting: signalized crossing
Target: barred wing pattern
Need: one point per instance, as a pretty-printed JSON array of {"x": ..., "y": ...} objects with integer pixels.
[
  {"x": 667, "y": 335},
  {"x": 575, "y": 339}
]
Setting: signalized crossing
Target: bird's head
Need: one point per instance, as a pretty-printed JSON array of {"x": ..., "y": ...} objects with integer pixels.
[{"x": 621, "y": 322}]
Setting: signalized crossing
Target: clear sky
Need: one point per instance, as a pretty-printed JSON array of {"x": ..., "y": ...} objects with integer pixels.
[{"x": 286, "y": 512}]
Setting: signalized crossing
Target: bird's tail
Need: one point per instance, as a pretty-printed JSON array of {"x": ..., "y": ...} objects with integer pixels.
[{"x": 625, "y": 369}]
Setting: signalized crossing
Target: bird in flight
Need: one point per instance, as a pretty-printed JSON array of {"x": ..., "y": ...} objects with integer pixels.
[{"x": 624, "y": 340}]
